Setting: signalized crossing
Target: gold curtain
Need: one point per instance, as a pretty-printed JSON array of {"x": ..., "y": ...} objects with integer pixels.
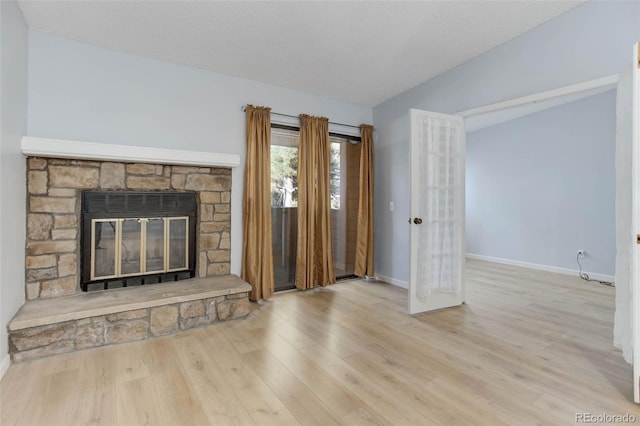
[
  {"x": 364, "y": 241},
  {"x": 257, "y": 256},
  {"x": 314, "y": 258}
]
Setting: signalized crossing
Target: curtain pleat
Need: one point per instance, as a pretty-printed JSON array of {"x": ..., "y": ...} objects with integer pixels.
[
  {"x": 257, "y": 256},
  {"x": 364, "y": 239},
  {"x": 314, "y": 259}
]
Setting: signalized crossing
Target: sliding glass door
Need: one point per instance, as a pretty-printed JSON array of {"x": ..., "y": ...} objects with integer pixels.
[
  {"x": 284, "y": 205},
  {"x": 345, "y": 169}
]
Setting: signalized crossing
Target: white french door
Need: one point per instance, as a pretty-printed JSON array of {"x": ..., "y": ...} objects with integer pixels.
[
  {"x": 635, "y": 282},
  {"x": 437, "y": 211}
]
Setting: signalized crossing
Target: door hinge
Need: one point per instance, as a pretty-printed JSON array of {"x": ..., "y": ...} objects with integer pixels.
[{"x": 638, "y": 238}]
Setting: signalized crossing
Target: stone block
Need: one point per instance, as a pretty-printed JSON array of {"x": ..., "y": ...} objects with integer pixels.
[
  {"x": 198, "y": 182},
  {"x": 234, "y": 308},
  {"x": 45, "y": 261},
  {"x": 39, "y": 226},
  {"x": 188, "y": 323},
  {"x": 222, "y": 208},
  {"x": 216, "y": 269},
  {"x": 65, "y": 221},
  {"x": 36, "y": 163},
  {"x": 41, "y": 336},
  {"x": 221, "y": 217},
  {"x": 62, "y": 192},
  {"x": 210, "y": 197},
  {"x": 52, "y": 205},
  {"x": 163, "y": 320},
  {"x": 41, "y": 274},
  {"x": 87, "y": 321},
  {"x": 128, "y": 315},
  {"x": 112, "y": 175},
  {"x": 33, "y": 291},
  {"x": 221, "y": 171},
  {"x": 79, "y": 163},
  {"x": 127, "y": 331},
  {"x": 37, "y": 182},
  {"x": 192, "y": 309},
  {"x": 209, "y": 241},
  {"x": 206, "y": 212},
  {"x": 225, "y": 197},
  {"x": 211, "y": 309},
  {"x": 160, "y": 170},
  {"x": 207, "y": 227},
  {"x": 202, "y": 264},
  {"x": 64, "y": 234},
  {"x": 58, "y": 287},
  {"x": 50, "y": 247},
  {"x": 185, "y": 170},
  {"x": 219, "y": 255},
  {"x": 74, "y": 176},
  {"x": 177, "y": 181},
  {"x": 90, "y": 336},
  {"x": 67, "y": 265},
  {"x": 141, "y": 169},
  {"x": 225, "y": 241},
  {"x": 52, "y": 349},
  {"x": 148, "y": 182}
]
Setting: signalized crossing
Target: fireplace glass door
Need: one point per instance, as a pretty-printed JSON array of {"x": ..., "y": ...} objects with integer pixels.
[{"x": 138, "y": 246}]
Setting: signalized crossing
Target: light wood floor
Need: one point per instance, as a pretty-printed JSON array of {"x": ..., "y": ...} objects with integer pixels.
[{"x": 528, "y": 348}]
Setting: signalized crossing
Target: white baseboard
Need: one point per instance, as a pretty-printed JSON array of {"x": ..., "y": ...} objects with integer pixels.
[
  {"x": 393, "y": 281},
  {"x": 4, "y": 365},
  {"x": 556, "y": 269}
]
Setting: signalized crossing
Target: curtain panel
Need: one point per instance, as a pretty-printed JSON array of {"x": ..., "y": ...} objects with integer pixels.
[
  {"x": 314, "y": 259},
  {"x": 364, "y": 236},
  {"x": 257, "y": 256}
]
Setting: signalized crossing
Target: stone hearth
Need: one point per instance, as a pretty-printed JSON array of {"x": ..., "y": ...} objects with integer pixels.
[{"x": 88, "y": 320}]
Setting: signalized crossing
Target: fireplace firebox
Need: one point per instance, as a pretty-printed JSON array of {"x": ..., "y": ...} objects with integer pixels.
[{"x": 132, "y": 238}]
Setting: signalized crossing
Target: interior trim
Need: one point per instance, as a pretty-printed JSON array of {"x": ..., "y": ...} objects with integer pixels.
[{"x": 60, "y": 148}]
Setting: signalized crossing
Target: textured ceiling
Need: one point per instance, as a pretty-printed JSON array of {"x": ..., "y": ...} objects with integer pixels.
[{"x": 362, "y": 52}]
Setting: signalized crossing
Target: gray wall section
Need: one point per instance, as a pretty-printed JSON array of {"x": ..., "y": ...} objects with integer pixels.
[
  {"x": 13, "y": 125},
  {"x": 86, "y": 93},
  {"x": 543, "y": 186},
  {"x": 591, "y": 41}
]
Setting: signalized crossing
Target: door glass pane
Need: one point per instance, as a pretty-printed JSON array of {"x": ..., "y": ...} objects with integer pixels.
[
  {"x": 130, "y": 246},
  {"x": 345, "y": 192},
  {"x": 155, "y": 245},
  {"x": 104, "y": 243},
  {"x": 284, "y": 206},
  {"x": 178, "y": 243}
]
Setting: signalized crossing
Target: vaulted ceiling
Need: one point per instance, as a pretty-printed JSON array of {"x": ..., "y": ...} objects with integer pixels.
[{"x": 362, "y": 52}]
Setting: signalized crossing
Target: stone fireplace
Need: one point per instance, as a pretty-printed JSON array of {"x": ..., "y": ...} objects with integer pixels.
[
  {"x": 55, "y": 188},
  {"x": 59, "y": 316}
]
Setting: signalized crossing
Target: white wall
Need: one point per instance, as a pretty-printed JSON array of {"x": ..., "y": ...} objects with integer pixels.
[
  {"x": 591, "y": 41},
  {"x": 13, "y": 124},
  {"x": 541, "y": 187},
  {"x": 86, "y": 93}
]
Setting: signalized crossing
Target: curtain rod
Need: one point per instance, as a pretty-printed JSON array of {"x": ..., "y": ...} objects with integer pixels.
[{"x": 244, "y": 109}]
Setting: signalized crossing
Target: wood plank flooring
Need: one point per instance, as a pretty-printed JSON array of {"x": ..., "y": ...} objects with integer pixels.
[{"x": 528, "y": 348}]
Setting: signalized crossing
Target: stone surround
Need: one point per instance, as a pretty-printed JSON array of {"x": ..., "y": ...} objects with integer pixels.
[
  {"x": 54, "y": 187},
  {"x": 88, "y": 320}
]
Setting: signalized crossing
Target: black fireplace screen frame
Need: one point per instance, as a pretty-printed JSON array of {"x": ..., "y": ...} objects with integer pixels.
[{"x": 135, "y": 204}]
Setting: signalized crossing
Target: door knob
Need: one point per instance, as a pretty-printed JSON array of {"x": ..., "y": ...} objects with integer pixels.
[{"x": 417, "y": 221}]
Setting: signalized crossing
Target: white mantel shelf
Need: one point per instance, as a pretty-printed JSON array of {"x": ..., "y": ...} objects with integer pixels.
[{"x": 59, "y": 148}]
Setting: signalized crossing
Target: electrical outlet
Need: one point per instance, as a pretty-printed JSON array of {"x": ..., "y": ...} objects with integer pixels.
[{"x": 580, "y": 253}]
